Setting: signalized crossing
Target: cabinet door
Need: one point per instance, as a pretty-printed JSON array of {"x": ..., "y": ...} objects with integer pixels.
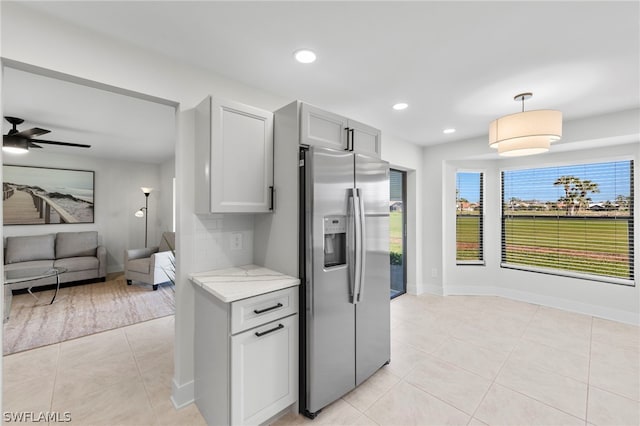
[
  {"x": 241, "y": 158},
  {"x": 366, "y": 139},
  {"x": 322, "y": 128},
  {"x": 264, "y": 371}
]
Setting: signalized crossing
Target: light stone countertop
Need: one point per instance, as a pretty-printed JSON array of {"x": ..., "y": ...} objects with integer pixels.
[{"x": 240, "y": 282}]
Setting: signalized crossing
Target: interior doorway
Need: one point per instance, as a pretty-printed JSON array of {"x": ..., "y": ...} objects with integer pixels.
[
  {"x": 398, "y": 232},
  {"x": 121, "y": 155}
]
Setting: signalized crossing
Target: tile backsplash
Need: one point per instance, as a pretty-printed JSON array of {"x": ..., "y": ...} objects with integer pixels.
[{"x": 216, "y": 240}]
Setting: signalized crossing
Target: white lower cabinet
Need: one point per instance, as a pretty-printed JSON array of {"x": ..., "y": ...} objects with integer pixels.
[
  {"x": 262, "y": 383},
  {"x": 246, "y": 356}
]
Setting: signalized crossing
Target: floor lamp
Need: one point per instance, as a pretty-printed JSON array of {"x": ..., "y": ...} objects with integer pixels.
[{"x": 144, "y": 211}]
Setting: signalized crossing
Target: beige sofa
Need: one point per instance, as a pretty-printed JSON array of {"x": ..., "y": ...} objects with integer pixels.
[{"x": 77, "y": 252}]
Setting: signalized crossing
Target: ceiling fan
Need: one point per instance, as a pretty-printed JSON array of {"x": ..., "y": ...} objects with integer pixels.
[{"x": 19, "y": 142}]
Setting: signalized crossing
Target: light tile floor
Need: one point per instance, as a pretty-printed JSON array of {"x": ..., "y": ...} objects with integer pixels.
[
  {"x": 467, "y": 360},
  {"x": 477, "y": 360},
  {"x": 118, "y": 377}
]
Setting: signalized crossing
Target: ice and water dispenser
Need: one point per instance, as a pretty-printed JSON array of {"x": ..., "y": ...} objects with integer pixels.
[{"x": 335, "y": 241}]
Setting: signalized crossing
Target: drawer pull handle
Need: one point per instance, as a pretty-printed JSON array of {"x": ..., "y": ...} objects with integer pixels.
[
  {"x": 262, "y": 311},
  {"x": 270, "y": 331}
]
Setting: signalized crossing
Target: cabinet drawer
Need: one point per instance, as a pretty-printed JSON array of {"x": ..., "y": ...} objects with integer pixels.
[{"x": 258, "y": 310}]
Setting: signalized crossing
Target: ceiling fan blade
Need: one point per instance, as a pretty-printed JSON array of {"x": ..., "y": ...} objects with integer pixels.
[
  {"x": 33, "y": 145},
  {"x": 32, "y": 132},
  {"x": 77, "y": 145}
]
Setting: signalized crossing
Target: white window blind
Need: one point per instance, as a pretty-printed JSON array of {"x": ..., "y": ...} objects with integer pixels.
[
  {"x": 469, "y": 218},
  {"x": 572, "y": 220}
]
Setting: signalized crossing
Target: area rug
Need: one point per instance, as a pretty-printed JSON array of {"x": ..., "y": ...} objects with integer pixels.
[{"x": 82, "y": 310}]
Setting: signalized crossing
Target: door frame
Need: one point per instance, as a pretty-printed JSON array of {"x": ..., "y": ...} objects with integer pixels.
[{"x": 404, "y": 231}]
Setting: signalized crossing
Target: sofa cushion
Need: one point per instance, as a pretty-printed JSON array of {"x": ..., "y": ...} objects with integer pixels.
[
  {"x": 24, "y": 249},
  {"x": 33, "y": 264},
  {"x": 74, "y": 264},
  {"x": 140, "y": 265},
  {"x": 76, "y": 244}
]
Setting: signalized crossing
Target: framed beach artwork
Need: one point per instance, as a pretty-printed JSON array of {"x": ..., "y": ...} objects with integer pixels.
[{"x": 42, "y": 195}]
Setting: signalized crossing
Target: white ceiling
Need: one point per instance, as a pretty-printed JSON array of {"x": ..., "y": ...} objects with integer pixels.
[
  {"x": 457, "y": 64},
  {"x": 116, "y": 126}
]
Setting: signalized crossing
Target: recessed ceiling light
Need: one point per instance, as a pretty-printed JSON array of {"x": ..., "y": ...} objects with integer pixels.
[
  {"x": 304, "y": 56},
  {"x": 449, "y": 131},
  {"x": 400, "y": 106}
]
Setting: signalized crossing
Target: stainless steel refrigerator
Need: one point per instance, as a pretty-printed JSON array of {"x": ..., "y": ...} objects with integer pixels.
[{"x": 344, "y": 263}]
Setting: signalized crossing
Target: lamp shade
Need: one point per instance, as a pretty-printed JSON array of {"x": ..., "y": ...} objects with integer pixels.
[
  {"x": 146, "y": 189},
  {"x": 528, "y": 145},
  {"x": 525, "y": 131}
]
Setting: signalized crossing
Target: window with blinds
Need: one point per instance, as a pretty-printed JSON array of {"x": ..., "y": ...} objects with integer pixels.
[
  {"x": 469, "y": 218},
  {"x": 572, "y": 220}
]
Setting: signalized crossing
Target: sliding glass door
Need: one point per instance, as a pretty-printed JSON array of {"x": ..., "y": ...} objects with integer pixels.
[{"x": 398, "y": 232}]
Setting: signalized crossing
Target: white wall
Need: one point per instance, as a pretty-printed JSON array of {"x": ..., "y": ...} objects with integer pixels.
[
  {"x": 117, "y": 198},
  {"x": 201, "y": 244},
  {"x": 166, "y": 211},
  {"x": 607, "y": 300}
]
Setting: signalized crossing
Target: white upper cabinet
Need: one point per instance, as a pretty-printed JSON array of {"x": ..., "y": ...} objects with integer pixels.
[
  {"x": 322, "y": 128},
  {"x": 234, "y": 158},
  {"x": 364, "y": 139}
]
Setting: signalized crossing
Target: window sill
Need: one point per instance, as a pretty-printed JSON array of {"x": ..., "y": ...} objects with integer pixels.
[
  {"x": 570, "y": 274},
  {"x": 471, "y": 262}
]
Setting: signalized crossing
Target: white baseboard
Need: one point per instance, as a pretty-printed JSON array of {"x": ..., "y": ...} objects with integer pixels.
[
  {"x": 549, "y": 301},
  {"x": 421, "y": 288},
  {"x": 471, "y": 290},
  {"x": 182, "y": 395},
  {"x": 573, "y": 306},
  {"x": 432, "y": 289},
  {"x": 412, "y": 289}
]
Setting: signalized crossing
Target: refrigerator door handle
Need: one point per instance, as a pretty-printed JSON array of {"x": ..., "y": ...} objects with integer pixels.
[
  {"x": 358, "y": 245},
  {"x": 361, "y": 245},
  {"x": 351, "y": 245}
]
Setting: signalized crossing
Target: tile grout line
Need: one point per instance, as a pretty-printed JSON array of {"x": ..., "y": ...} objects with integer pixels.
[
  {"x": 374, "y": 402},
  {"x": 536, "y": 399},
  {"x": 506, "y": 359},
  {"x": 402, "y": 380},
  {"x": 55, "y": 378},
  {"x": 586, "y": 408},
  {"x": 418, "y": 387},
  {"x": 467, "y": 343},
  {"x": 546, "y": 345},
  {"x": 615, "y": 393},
  {"x": 541, "y": 402},
  {"x": 449, "y": 336},
  {"x": 531, "y": 397},
  {"x": 135, "y": 359}
]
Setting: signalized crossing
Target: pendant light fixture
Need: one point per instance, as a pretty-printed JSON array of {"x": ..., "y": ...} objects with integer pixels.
[{"x": 525, "y": 133}]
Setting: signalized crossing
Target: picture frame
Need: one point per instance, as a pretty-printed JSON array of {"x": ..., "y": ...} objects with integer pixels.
[{"x": 34, "y": 195}]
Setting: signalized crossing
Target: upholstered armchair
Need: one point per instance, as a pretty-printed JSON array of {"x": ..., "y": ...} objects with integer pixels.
[{"x": 150, "y": 265}]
